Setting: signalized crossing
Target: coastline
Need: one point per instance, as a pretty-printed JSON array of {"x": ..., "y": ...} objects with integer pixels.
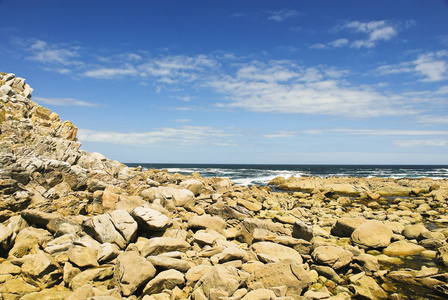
[{"x": 76, "y": 225}]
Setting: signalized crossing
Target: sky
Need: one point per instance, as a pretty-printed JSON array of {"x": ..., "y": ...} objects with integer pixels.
[{"x": 242, "y": 82}]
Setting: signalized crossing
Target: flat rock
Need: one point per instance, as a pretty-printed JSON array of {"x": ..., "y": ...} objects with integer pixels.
[
  {"x": 159, "y": 245},
  {"x": 169, "y": 263},
  {"x": 207, "y": 222},
  {"x": 164, "y": 280},
  {"x": 271, "y": 252},
  {"x": 402, "y": 248}
]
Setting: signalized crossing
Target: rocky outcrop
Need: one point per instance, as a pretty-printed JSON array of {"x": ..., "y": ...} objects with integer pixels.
[{"x": 75, "y": 225}]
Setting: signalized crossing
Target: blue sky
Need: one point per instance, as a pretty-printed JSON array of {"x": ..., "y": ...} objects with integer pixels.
[{"x": 292, "y": 82}]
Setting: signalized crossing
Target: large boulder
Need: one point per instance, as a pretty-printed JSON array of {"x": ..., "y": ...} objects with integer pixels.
[
  {"x": 103, "y": 230},
  {"x": 168, "y": 279},
  {"x": 403, "y": 248},
  {"x": 344, "y": 227},
  {"x": 207, "y": 222},
  {"x": 159, "y": 245},
  {"x": 151, "y": 219},
  {"x": 219, "y": 281},
  {"x": 372, "y": 234},
  {"x": 333, "y": 256},
  {"x": 42, "y": 270},
  {"x": 288, "y": 273},
  {"x": 132, "y": 271}
]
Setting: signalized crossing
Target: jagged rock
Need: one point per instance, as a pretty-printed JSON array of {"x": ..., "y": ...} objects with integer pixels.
[
  {"x": 42, "y": 270},
  {"x": 125, "y": 224},
  {"x": 61, "y": 244},
  {"x": 168, "y": 279},
  {"x": 160, "y": 245},
  {"x": 103, "y": 230},
  {"x": 50, "y": 294},
  {"x": 333, "y": 256},
  {"x": 372, "y": 234},
  {"x": 132, "y": 271},
  {"x": 366, "y": 287},
  {"x": 229, "y": 211},
  {"x": 293, "y": 277},
  {"x": 83, "y": 256},
  {"x": 219, "y": 280},
  {"x": 38, "y": 217},
  {"x": 61, "y": 226},
  {"x": 271, "y": 252},
  {"x": 108, "y": 252},
  {"x": 15, "y": 288},
  {"x": 195, "y": 273},
  {"x": 27, "y": 241},
  {"x": 94, "y": 277},
  {"x": 365, "y": 263},
  {"x": 151, "y": 219}
]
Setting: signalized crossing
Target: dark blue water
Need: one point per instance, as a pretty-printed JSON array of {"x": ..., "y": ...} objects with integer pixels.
[{"x": 262, "y": 174}]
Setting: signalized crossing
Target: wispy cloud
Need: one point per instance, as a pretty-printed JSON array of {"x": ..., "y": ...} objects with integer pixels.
[
  {"x": 63, "y": 101},
  {"x": 432, "y": 66},
  {"x": 108, "y": 73},
  {"x": 162, "y": 137},
  {"x": 53, "y": 54},
  {"x": 420, "y": 143},
  {"x": 376, "y": 31},
  {"x": 282, "y": 14},
  {"x": 363, "y": 132},
  {"x": 284, "y": 87}
]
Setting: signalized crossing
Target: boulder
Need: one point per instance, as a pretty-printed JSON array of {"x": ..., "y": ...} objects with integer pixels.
[
  {"x": 271, "y": 252},
  {"x": 302, "y": 230},
  {"x": 60, "y": 226},
  {"x": 93, "y": 276},
  {"x": 442, "y": 255},
  {"x": 344, "y": 227},
  {"x": 159, "y": 245},
  {"x": 218, "y": 280},
  {"x": 132, "y": 271},
  {"x": 414, "y": 231},
  {"x": 260, "y": 294},
  {"x": 42, "y": 270},
  {"x": 366, "y": 287},
  {"x": 287, "y": 272},
  {"x": 169, "y": 263},
  {"x": 193, "y": 185},
  {"x": 402, "y": 248},
  {"x": 164, "y": 280},
  {"x": 151, "y": 219},
  {"x": 207, "y": 222},
  {"x": 27, "y": 241},
  {"x": 333, "y": 256},
  {"x": 103, "y": 230},
  {"x": 83, "y": 256},
  {"x": 125, "y": 224},
  {"x": 372, "y": 234}
]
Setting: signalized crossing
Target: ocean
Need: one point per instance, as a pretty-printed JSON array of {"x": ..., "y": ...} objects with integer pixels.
[{"x": 247, "y": 175}]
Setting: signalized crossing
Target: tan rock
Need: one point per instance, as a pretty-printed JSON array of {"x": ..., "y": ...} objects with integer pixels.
[
  {"x": 333, "y": 256},
  {"x": 271, "y": 252},
  {"x": 403, "y": 248},
  {"x": 372, "y": 234},
  {"x": 42, "y": 270}
]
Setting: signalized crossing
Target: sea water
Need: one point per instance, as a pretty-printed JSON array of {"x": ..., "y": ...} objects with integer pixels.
[{"x": 247, "y": 175}]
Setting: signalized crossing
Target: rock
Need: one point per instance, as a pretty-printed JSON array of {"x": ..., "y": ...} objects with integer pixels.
[
  {"x": 219, "y": 280},
  {"x": 103, "y": 230},
  {"x": 260, "y": 294},
  {"x": 27, "y": 241},
  {"x": 83, "y": 256},
  {"x": 271, "y": 252},
  {"x": 207, "y": 222},
  {"x": 169, "y": 263},
  {"x": 151, "y": 219},
  {"x": 365, "y": 287},
  {"x": 164, "y": 280},
  {"x": 195, "y": 186},
  {"x": 333, "y": 256},
  {"x": 195, "y": 273},
  {"x": 42, "y": 270},
  {"x": 344, "y": 227},
  {"x": 159, "y": 245},
  {"x": 442, "y": 255},
  {"x": 94, "y": 277},
  {"x": 84, "y": 292},
  {"x": 403, "y": 248},
  {"x": 229, "y": 254},
  {"x": 38, "y": 217},
  {"x": 302, "y": 231},
  {"x": 132, "y": 271},
  {"x": 229, "y": 211},
  {"x": 365, "y": 263},
  {"x": 61, "y": 226},
  {"x": 15, "y": 288},
  {"x": 107, "y": 252},
  {"x": 413, "y": 231},
  {"x": 372, "y": 234},
  {"x": 293, "y": 277},
  {"x": 48, "y": 295}
]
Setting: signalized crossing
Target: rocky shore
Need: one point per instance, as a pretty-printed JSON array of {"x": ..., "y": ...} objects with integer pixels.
[{"x": 76, "y": 225}]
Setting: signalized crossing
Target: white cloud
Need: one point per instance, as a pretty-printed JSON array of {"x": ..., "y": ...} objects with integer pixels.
[
  {"x": 433, "y": 119},
  {"x": 53, "y": 54},
  {"x": 63, "y": 101},
  {"x": 420, "y": 143},
  {"x": 283, "y": 14},
  {"x": 108, "y": 73},
  {"x": 364, "y": 132},
  {"x": 376, "y": 31},
  {"x": 283, "y": 87},
  {"x": 338, "y": 43},
  {"x": 163, "y": 137},
  {"x": 432, "y": 66}
]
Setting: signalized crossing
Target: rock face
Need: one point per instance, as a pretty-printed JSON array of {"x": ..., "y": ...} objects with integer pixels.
[{"x": 76, "y": 225}]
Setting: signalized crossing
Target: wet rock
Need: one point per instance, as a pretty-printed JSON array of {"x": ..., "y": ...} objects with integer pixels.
[
  {"x": 402, "y": 248},
  {"x": 366, "y": 287}
]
